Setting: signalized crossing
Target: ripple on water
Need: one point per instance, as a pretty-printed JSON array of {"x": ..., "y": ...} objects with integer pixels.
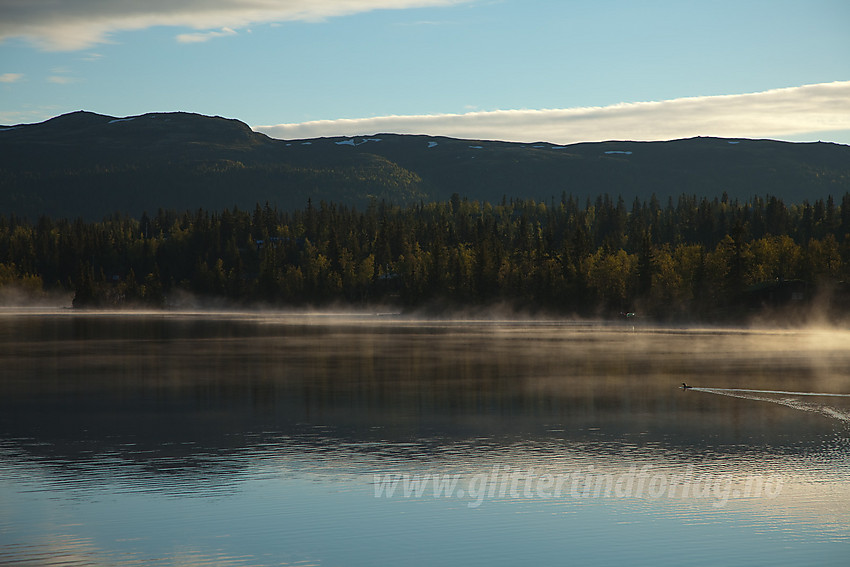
[{"x": 257, "y": 441}]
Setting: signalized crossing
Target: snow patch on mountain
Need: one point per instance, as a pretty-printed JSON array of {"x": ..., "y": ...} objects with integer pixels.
[{"x": 352, "y": 142}]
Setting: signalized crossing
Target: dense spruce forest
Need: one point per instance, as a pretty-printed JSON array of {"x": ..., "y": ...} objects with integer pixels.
[{"x": 689, "y": 258}]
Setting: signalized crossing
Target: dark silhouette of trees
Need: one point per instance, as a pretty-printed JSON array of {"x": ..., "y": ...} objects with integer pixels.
[{"x": 691, "y": 258}]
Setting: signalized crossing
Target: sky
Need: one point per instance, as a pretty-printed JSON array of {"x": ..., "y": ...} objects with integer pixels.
[{"x": 558, "y": 71}]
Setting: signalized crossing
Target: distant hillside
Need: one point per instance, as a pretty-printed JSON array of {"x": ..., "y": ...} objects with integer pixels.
[{"x": 90, "y": 165}]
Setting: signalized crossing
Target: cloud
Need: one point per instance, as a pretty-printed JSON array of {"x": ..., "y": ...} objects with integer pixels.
[
  {"x": 201, "y": 37},
  {"x": 61, "y": 80},
  {"x": 29, "y": 115},
  {"x": 11, "y": 77},
  {"x": 79, "y": 24},
  {"x": 806, "y": 109}
]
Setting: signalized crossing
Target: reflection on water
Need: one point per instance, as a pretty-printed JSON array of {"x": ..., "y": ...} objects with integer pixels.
[{"x": 251, "y": 439}]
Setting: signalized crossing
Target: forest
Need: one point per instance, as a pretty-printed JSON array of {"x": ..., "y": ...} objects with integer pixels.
[{"x": 686, "y": 259}]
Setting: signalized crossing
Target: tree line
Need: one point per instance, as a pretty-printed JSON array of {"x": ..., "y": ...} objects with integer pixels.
[{"x": 690, "y": 257}]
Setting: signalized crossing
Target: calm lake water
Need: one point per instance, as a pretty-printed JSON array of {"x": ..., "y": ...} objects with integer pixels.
[{"x": 264, "y": 439}]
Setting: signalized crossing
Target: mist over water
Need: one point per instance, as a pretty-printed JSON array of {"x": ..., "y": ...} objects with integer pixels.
[{"x": 261, "y": 438}]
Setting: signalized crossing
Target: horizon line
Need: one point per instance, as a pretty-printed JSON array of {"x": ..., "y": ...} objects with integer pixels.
[{"x": 257, "y": 130}]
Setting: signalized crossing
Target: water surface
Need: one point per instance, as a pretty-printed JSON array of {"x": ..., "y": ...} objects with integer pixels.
[{"x": 270, "y": 439}]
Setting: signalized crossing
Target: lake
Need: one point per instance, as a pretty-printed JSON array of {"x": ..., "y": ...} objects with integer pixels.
[{"x": 317, "y": 439}]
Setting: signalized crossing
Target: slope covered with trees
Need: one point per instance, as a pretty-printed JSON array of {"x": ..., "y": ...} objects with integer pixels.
[
  {"x": 709, "y": 259},
  {"x": 89, "y": 165}
]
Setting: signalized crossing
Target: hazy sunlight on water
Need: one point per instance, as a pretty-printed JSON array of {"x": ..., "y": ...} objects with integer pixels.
[{"x": 268, "y": 439}]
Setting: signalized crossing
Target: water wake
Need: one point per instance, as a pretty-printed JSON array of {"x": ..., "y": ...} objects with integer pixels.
[
  {"x": 758, "y": 395},
  {"x": 721, "y": 390}
]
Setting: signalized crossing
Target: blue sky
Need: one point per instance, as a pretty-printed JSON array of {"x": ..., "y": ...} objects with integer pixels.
[{"x": 525, "y": 70}]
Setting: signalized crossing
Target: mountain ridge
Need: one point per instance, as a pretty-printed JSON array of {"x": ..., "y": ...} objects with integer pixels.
[{"x": 90, "y": 165}]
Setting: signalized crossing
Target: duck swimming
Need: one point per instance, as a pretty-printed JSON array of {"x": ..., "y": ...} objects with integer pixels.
[{"x": 685, "y": 386}]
